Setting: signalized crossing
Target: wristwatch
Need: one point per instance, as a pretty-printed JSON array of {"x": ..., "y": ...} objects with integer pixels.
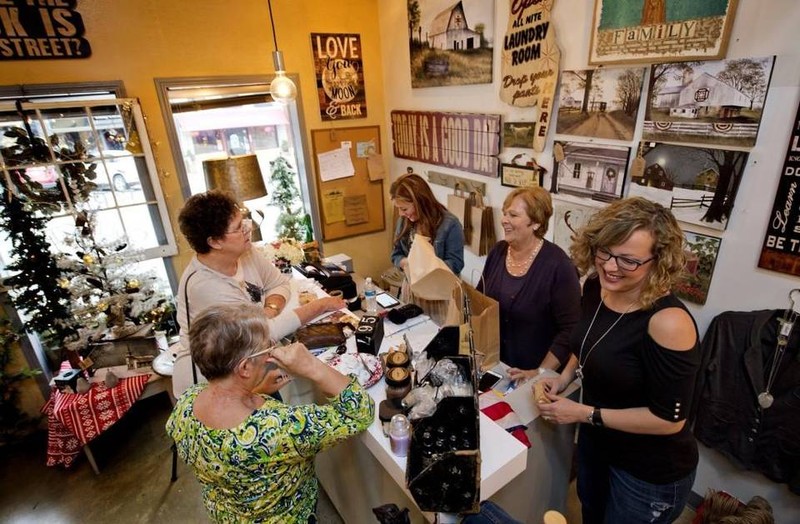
[{"x": 595, "y": 418}]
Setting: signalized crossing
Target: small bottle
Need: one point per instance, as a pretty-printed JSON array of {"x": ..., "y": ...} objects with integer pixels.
[
  {"x": 369, "y": 297},
  {"x": 400, "y": 435}
]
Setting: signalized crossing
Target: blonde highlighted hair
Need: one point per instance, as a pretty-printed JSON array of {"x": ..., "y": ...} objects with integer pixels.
[
  {"x": 616, "y": 223},
  {"x": 430, "y": 212}
]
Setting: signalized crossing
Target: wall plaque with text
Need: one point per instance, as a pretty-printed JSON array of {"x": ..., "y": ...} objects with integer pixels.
[{"x": 41, "y": 30}]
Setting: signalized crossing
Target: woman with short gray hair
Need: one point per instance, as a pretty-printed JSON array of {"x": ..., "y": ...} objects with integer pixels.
[{"x": 253, "y": 455}]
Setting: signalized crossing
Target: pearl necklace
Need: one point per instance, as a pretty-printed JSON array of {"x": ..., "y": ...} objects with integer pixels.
[
  {"x": 520, "y": 268},
  {"x": 581, "y": 359}
]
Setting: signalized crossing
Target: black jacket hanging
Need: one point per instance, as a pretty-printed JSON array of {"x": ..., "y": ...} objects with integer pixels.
[{"x": 738, "y": 350}]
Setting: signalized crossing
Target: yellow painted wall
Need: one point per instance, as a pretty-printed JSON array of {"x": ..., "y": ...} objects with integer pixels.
[{"x": 136, "y": 41}]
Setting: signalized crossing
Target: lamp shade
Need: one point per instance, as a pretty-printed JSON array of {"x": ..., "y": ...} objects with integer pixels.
[{"x": 238, "y": 175}]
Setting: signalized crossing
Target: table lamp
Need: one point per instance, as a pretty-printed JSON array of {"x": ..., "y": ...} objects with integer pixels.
[{"x": 241, "y": 177}]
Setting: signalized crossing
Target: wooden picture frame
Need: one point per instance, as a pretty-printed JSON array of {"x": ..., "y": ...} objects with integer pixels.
[
  {"x": 512, "y": 175},
  {"x": 641, "y": 31}
]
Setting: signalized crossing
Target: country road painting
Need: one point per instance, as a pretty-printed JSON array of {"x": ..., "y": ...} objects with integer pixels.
[{"x": 599, "y": 103}]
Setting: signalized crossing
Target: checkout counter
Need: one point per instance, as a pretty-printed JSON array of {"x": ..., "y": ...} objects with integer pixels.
[{"x": 362, "y": 473}]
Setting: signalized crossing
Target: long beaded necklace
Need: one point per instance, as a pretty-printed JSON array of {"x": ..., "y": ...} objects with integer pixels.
[
  {"x": 581, "y": 359},
  {"x": 519, "y": 268},
  {"x": 765, "y": 398}
]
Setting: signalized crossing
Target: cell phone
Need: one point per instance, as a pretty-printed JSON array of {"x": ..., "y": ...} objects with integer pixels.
[
  {"x": 386, "y": 301},
  {"x": 488, "y": 379}
]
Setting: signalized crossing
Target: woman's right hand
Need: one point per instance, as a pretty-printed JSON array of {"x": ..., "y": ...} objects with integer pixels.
[
  {"x": 298, "y": 361},
  {"x": 295, "y": 359},
  {"x": 553, "y": 385},
  {"x": 521, "y": 375}
]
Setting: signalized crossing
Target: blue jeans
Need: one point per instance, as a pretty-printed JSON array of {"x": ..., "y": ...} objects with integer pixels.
[
  {"x": 490, "y": 513},
  {"x": 614, "y": 496}
]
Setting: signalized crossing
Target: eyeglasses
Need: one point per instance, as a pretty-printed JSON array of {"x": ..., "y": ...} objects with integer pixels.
[
  {"x": 245, "y": 228},
  {"x": 260, "y": 352},
  {"x": 268, "y": 350},
  {"x": 623, "y": 263}
]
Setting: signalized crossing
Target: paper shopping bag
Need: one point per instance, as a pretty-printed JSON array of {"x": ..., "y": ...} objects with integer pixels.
[
  {"x": 484, "y": 320},
  {"x": 482, "y": 221},
  {"x": 428, "y": 276},
  {"x": 459, "y": 204}
]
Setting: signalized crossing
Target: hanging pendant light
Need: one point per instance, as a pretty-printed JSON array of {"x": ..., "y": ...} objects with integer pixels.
[{"x": 281, "y": 88}]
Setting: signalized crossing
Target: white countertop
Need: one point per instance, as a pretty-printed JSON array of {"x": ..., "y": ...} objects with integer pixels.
[{"x": 503, "y": 457}]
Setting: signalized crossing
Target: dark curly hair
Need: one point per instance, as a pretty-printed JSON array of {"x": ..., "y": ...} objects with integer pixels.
[{"x": 206, "y": 215}]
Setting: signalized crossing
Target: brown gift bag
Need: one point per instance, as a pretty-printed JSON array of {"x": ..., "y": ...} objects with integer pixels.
[
  {"x": 482, "y": 219},
  {"x": 459, "y": 204},
  {"x": 485, "y": 320},
  {"x": 430, "y": 282}
]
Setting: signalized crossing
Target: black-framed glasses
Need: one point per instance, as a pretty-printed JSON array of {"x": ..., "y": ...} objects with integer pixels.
[
  {"x": 623, "y": 263},
  {"x": 245, "y": 228}
]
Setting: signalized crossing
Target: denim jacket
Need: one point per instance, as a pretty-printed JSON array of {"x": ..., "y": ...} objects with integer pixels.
[{"x": 448, "y": 244}]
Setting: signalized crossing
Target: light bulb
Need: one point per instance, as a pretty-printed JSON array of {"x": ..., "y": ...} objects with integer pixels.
[{"x": 282, "y": 88}]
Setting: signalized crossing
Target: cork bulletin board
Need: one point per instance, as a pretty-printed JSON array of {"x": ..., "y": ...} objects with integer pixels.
[{"x": 349, "y": 205}]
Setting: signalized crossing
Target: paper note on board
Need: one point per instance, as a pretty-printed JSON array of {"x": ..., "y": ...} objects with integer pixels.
[
  {"x": 356, "y": 210},
  {"x": 333, "y": 206},
  {"x": 335, "y": 164},
  {"x": 375, "y": 167}
]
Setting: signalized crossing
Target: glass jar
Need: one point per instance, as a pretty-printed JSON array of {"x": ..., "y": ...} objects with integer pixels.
[{"x": 398, "y": 384}]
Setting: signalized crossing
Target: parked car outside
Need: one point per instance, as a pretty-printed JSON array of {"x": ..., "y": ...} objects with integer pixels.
[
  {"x": 47, "y": 176},
  {"x": 122, "y": 170}
]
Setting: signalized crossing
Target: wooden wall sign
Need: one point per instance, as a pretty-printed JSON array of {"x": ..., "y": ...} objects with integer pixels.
[
  {"x": 340, "y": 76},
  {"x": 781, "y": 249},
  {"x": 529, "y": 65},
  {"x": 41, "y": 30},
  {"x": 466, "y": 141}
]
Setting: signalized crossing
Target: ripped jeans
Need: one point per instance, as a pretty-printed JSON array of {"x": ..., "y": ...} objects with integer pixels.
[{"x": 613, "y": 496}]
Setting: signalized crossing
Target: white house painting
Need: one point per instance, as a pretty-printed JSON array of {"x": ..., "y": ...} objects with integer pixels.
[
  {"x": 592, "y": 171},
  {"x": 717, "y": 102}
]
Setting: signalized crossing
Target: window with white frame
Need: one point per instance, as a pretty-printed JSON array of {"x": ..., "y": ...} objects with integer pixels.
[{"x": 127, "y": 202}]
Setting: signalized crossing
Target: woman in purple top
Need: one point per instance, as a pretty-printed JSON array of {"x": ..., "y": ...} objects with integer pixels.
[{"x": 536, "y": 285}]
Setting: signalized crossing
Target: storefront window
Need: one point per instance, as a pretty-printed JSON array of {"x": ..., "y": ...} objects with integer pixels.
[{"x": 211, "y": 120}]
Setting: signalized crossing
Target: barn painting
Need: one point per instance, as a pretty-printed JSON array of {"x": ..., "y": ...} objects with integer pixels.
[
  {"x": 450, "y": 42},
  {"x": 717, "y": 103}
]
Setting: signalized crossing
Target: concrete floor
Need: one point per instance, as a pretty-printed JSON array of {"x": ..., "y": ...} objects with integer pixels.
[
  {"x": 135, "y": 462},
  {"x": 133, "y": 486}
]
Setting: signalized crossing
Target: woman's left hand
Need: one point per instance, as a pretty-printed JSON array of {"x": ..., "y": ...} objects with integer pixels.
[{"x": 562, "y": 410}]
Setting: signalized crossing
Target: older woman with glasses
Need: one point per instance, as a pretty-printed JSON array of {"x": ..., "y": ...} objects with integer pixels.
[
  {"x": 225, "y": 270},
  {"x": 254, "y": 456},
  {"x": 636, "y": 350}
]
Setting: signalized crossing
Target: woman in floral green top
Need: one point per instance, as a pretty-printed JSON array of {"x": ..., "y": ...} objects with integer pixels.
[{"x": 253, "y": 455}]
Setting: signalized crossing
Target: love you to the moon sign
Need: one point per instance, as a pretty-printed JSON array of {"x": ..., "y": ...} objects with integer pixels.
[{"x": 340, "y": 75}]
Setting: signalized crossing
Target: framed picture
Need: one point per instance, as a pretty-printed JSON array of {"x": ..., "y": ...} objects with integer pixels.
[
  {"x": 518, "y": 134},
  {"x": 450, "y": 43},
  {"x": 512, "y": 175},
  {"x": 630, "y": 31},
  {"x": 701, "y": 257},
  {"x": 600, "y": 103},
  {"x": 698, "y": 184},
  {"x": 340, "y": 75},
  {"x": 592, "y": 171},
  {"x": 568, "y": 219},
  {"x": 718, "y": 102}
]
